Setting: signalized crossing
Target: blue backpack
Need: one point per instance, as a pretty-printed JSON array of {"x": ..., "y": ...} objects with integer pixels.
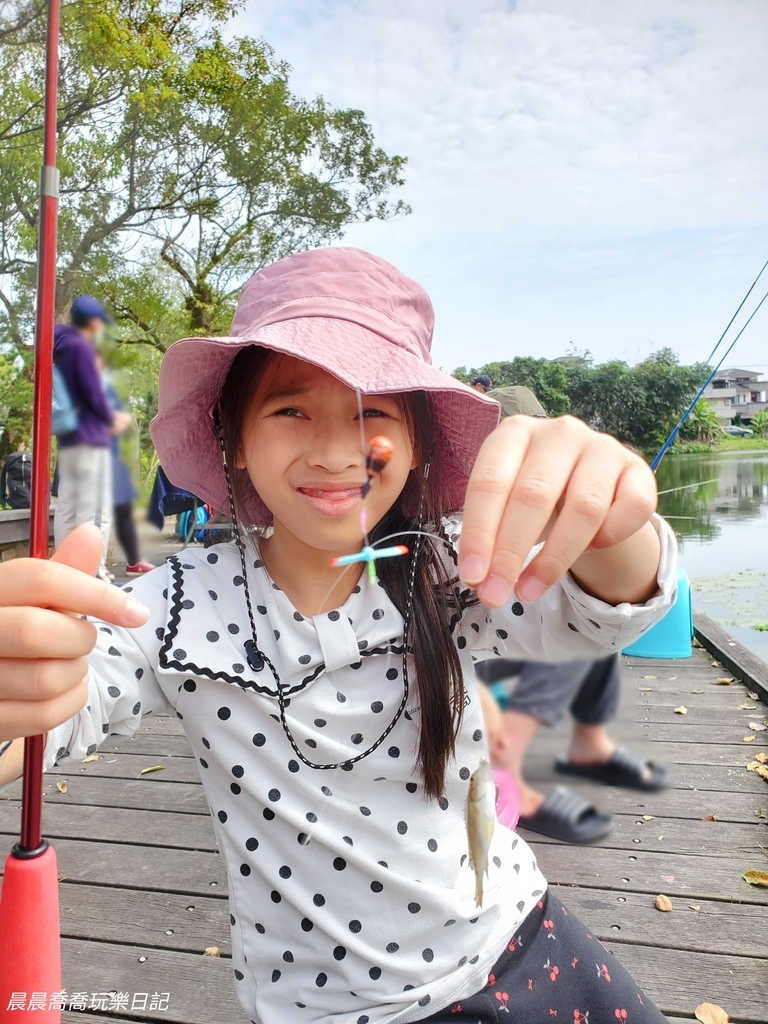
[{"x": 64, "y": 419}]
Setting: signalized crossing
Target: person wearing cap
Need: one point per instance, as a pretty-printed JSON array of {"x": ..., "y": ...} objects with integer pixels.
[
  {"x": 483, "y": 383},
  {"x": 331, "y": 705},
  {"x": 85, "y": 454}
]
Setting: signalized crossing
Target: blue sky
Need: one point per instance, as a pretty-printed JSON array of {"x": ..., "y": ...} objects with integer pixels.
[{"x": 588, "y": 174}]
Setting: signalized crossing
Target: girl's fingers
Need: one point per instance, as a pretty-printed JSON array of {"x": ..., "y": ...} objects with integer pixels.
[
  {"x": 587, "y": 500},
  {"x": 34, "y": 717},
  {"x": 50, "y": 584},
  {"x": 490, "y": 482},
  {"x": 29, "y": 632},
  {"x": 41, "y": 679},
  {"x": 634, "y": 504},
  {"x": 540, "y": 483}
]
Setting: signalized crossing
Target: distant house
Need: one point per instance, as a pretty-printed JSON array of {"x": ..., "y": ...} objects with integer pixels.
[{"x": 737, "y": 392}]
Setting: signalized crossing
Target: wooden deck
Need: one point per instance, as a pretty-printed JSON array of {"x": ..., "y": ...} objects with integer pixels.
[{"x": 143, "y": 892}]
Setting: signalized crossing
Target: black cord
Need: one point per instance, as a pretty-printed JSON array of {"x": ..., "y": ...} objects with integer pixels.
[{"x": 257, "y": 659}]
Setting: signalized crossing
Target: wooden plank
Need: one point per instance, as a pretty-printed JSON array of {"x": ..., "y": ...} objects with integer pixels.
[
  {"x": 731, "y": 653},
  {"x": 189, "y": 872},
  {"x": 201, "y": 988},
  {"x": 687, "y": 876},
  {"x": 145, "y": 918},
  {"x": 712, "y": 774},
  {"x": 667, "y": 752},
  {"x": 716, "y": 927}
]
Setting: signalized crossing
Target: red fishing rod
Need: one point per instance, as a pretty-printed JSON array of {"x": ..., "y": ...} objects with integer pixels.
[{"x": 30, "y": 947}]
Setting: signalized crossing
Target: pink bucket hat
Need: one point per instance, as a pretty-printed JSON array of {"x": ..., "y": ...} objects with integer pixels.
[{"x": 344, "y": 310}]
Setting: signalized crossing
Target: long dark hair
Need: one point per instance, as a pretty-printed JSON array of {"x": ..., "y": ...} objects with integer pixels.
[{"x": 436, "y": 602}]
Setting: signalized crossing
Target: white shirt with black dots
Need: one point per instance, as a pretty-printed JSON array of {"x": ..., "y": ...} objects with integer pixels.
[{"x": 350, "y": 893}]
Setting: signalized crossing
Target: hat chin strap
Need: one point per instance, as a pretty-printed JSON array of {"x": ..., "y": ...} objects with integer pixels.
[{"x": 257, "y": 659}]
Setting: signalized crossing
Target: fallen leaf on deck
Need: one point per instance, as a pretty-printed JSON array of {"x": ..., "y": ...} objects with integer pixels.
[
  {"x": 648, "y": 817},
  {"x": 682, "y": 710},
  {"x": 711, "y": 1013},
  {"x": 61, "y": 786},
  {"x": 760, "y": 813},
  {"x": 92, "y": 757},
  {"x": 715, "y": 664},
  {"x": 663, "y": 903},
  {"x": 660, "y": 838},
  {"x": 645, "y": 689},
  {"x": 762, "y": 771},
  {"x": 709, "y": 817},
  {"x": 743, "y": 707},
  {"x": 212, "y": 951},
  {"x": 154, "y": 768},
  {"x": 697, "y": 691},
  {"x": 671, "y": 677},
  {"x": 694, "y": 906},
  {"x": 696, "y": 642},
  {"x": 725, "y": 680},
  {"x": 650, "y": 677},
  {"x": 756, "y": 877},
  {"x": 113, "y": 761},
  {"x": 762, "y": 757},
  {"x": 754, "y": 696},
  {"x": 748, "y": 739},
  {"x": 758, "y": 726}
]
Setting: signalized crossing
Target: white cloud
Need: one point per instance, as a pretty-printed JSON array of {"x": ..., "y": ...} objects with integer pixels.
[{"x": 578, "y": 171}]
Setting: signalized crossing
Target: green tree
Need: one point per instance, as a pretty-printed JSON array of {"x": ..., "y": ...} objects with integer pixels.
[
  {"x": 175, "y": 147},
  {"x": 759, "y": 423},
  {"x": 703, "y": 424},
  {"x": 547, "y": 379}
]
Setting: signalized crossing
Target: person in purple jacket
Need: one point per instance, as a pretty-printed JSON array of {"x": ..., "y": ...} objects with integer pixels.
[{"x": 85, "y": 454}]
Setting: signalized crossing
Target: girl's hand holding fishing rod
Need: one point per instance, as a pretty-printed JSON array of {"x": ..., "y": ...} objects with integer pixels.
[
  {"x": 44, "y": 644},
  {"x": 587, "y": 496}
]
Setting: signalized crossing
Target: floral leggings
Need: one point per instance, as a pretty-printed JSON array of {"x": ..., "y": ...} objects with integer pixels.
[{"x": 554, "y": 968}]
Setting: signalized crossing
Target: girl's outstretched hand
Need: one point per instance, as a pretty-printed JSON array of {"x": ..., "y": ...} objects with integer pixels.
[
  {"x": 584, "y": 493},
  {"x": 44, "y": 644}
]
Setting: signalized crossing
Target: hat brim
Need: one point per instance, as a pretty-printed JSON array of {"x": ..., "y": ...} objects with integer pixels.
[{"x": 193, "y": 372}]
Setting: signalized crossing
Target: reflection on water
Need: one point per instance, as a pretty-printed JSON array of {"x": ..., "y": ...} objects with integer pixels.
[{"x": 722, "y": 527}]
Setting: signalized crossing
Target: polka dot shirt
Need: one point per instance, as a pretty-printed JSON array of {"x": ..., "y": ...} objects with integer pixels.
[{"x": 350, "y": 893}]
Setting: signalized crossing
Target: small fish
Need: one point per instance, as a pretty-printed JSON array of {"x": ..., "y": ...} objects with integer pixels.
[{"x": 481, "y": 819}]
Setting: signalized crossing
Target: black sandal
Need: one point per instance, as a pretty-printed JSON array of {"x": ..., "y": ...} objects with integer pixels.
[
  {"x": 624, "y": 768},
  {"x": 566, "y": 816}
]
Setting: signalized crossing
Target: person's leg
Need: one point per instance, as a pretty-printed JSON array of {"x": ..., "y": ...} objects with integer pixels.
[
  {"x": 102, "y": 513},
  {"x": 554, "y": 967},
  {"x": 65, "y": 512},
  {"x": 125, "y": 528},
  {"x": 543, "y": 694}
]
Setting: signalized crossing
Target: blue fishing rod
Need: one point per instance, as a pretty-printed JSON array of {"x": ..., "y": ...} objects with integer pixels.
[{"x": 707, "y": 382}]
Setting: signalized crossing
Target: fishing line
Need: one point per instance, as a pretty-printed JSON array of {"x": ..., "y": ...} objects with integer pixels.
[
  {"x": 685, "y": 487},
  {"x": 719, "y": 340},
  {"x": 702, "y": 389}
]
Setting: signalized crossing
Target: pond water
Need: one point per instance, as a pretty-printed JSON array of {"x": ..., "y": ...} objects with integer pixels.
[{"x": 721, "y": 521}]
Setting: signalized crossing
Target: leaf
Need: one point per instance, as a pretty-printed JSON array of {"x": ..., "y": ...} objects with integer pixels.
[
  {"x": 758, "y": 726},
  {"x": 671, "y": 677},
  {"x": 748, "y": 739},
  {"x": 154, "y": 768},
  {"x": 650, "y": 677},
  {"x": 694, "y": 906},
  {"x": 682, "y": 710},
  {"x": 645, "y": 689},
  {"x": 61, "y": 786},
  {"x": 663, "y": 903},
  {"x": 715, "y": 664},
  {"x": 711, "y": 1013},
  {"x": 697, "y": 691},
  {"x": 648, "y": 817},
  {"x": 754, "y": 696},
  {"x": 756, "y": 877},
  {"x": 725, "y": 680},
  {"x": 709, "y": 817},
  {"x": 760, "y": 813},
  {"x": 743, "y": 707},
  {"x": 661, "y": 837},
  {"x": 762, "y": 757},
  {"x": 91, "y": 757},
  {"x": 212, "y": 951}
]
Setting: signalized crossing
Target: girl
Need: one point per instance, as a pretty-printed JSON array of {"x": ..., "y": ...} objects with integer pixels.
[{"x": 335, "y": 717}]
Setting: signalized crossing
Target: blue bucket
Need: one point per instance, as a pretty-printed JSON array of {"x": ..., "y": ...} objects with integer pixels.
[{"x": 671, "y": 637}]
